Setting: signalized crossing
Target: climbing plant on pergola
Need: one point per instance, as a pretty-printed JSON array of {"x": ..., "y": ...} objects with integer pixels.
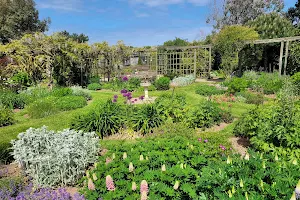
[{"x": 184, "y": 60}]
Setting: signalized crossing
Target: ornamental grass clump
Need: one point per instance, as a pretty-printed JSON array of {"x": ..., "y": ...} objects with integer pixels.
[{"x": 55, "y": 158}]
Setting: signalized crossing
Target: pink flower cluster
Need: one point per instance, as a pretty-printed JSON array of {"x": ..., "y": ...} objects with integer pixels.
[
  {"x": 205, "y": 141},
  {"x": 222, "y": 147},
  {"x": 110, "y": 183}
]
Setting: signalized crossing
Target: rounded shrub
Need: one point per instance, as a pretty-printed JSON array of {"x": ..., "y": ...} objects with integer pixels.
[
  {"x": 207, "y": 90},
  {"x": 237, "y": 85},
  {"x": 162, "y": 83},
  {"x": 60, "y": 92},
  {"x": 70, "y": 102},
  {"x": 94, "y": 86},
  {"x": 6, "y": 116},
  {"x": 42, "y": 107},
  {"x": 12, "y": 100}
]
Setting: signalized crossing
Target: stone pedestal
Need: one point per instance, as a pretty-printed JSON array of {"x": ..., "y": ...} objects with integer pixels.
[{"x": 146, "y": 85}]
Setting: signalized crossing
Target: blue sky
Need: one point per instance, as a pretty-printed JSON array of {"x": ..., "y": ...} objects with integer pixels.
[{"x": 136, "y": 22}]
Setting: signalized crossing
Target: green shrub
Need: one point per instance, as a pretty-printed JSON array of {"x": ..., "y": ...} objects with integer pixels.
[
  {"x": 94, "y": 86},
  {"x": 171, "y": 130},
  {"x": 70, "y": 102},
  {"x": 12, "y": 100},
  {"x": 171, "y": 75},
  {"x": 207, "y": 90},
  {"x": 251, "y": 98},
  {"x": 237, "y": 85},
  {"x": 134, "y": 82},
  {"x": 21, "y": 78},
  {"x": 171, "y": 107},
  {"x": 33, "y": 93},
  {"x": 162, "y": 83},
  {"x": 79, "y": 91},
  {"x": 204, "y": 115},
  {"x": 105, "y": 120},
  {"x": 6, "y": 116},
  {"x": 61, "y": 92},
  {"x": 296, "y": 80},
  {"x": 94, "y": 79},
  {"x": 202, "y": 172},
  {"x": 270, "y": 82},
  {"x": 146, "y": 118},
  {"x": 55, "y": 159},
  {"x": 42, "y": 107},
  {"x": 251, "y": 77}
]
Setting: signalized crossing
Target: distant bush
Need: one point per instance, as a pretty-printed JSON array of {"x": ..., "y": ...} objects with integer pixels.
[
  {"x": 270, "y": 82},
  {"x": 55, "y": 159},
  {"x": 105, "y": 120},
  {"x": 31, "y": 94},
  {"x": 207, "y": 90},
  {"x": 204, "y": 115},
  {"x": 171, "y": 130},
  {"x": 296, "y": 80},
  {"x": 61, "y": 92},
  {"x": 183, "y": 80},
  {"x": 70, "y": 102},
  {"x": 146, "y": 118},
  {"x": 133, "y": 84},
  {"x": 94, "y": 79},
  {"x": 6, "y": 116},
  {"x": 251, "y": 98},
  {"x": 94, "y": 86},
  {"x": 162, "y": 83},
  {"x": 79, "y": 91},
  {"x": 12, "y": 100},
  {"x": 42, "y": 107},
  {"x": 236, "y": 84}
]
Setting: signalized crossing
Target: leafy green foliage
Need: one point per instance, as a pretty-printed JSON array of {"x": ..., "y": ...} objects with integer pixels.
[
  {"x": 18, "y": 18},
  {"x": 270, "y": 82},
  {"x": 79, "y": 91},
  {"x": 176, "y": 42},
  {"x": 207, "y": 90},
  {"x": 172, "y": 107},
  {"x": 81, "y": 38},
  {"x": 70, "y": 102},
  {"x": 274, "y": 127},
  {"x": 105, "y": 120},
  {"x": 61, "y": 92},
  {"x": 94, "y": 86},
  {"x": 296, "y": 79},
  {"x": 237, "y": 85},
  {"x": 146, "y": 118},
  {"x": 42, "y": 107},
  {"x": 55, "y": 159},
  {"x": 162, "y": 83},
  {"x": 12, "y": 100},
  {"x": 229, "y": 42},
  {"x": 252, "y": 98},
  {"x": 200, "y": 168},
  {"x": 273, "y": 25},
  {"x": 204, "y": 115},
  {"x": 183, "y": 81},
  {"x": 22, "y": 79},
  {"x": 6, "y": 116}
]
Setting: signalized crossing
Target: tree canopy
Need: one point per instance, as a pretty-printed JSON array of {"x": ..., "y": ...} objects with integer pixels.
[
  {"x": 19, "y": 17},
  {"x": 80, "y": 38},
  {"x": 293, "y": 14},
  {"x": 176, "y": 42}
]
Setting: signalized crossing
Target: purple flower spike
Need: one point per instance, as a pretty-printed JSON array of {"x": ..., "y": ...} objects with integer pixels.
[
  {"x": 124, "y": 91},
  {"x": 114, "y": 100},
  {"x": 141, "y": 97},
  {"x": 206, "y": 140},
  {"x": 116, "y": 96},
  {"x": 132, "y": 101},
  {"x": 135, "y": 99}
]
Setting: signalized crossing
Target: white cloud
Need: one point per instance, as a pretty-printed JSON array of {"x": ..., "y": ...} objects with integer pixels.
[
  {"x": 155, "y": 3},
  {"x": 65, "y": 5}
]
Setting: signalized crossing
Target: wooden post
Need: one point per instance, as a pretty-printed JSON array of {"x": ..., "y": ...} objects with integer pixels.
[
  {"x": 195, "y": 62},
  {"x": 280, "y": 58},
  {"x": 286, "y": 57},
  {"x": 209, "y": 65},
  {"x": 156, "y": 62}
]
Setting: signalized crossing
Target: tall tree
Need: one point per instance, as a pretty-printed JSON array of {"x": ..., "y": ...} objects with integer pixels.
[
  {"x": 176, "y": 42},
  {"x": 294, "y": 14},
  {"x": 239, "y": 12},
  {"x": 81, "y": 38},
  {"x": 19, "y": 17}
]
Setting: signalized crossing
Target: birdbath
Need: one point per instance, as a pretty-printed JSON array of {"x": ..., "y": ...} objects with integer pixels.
[{"x": 146, "y": 85}]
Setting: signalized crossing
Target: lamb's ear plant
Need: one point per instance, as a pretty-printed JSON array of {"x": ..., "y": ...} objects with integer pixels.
[{"x": 55, "y": 158}]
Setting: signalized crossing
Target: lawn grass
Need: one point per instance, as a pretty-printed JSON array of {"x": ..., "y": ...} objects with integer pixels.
[{"x": 62, "y": 120}]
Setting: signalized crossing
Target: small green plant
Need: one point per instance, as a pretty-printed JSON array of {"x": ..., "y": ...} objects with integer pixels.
[
  {"x": 42, "y": 107},
  {"x": 252, "y": 98},
  {"x": 271, "y": 83},
  {"x": 94, "y": 79},
  {"x": 207, "y": 90},
  {"x": 237, "y": 85},
  {"x": 204, "y": 115},
  {"x": 70, "y": 102},
  {"x": 79, "y": 91},
  {"x": 105, "y": 120},
  {"x": 94, "y": 86},
  {"x": 55, "y": 159},
  {"x": 162, "y": 83},
  {"x": 6, "y": 116},
  {"x": 12, "y": 100},
  {"x": 61, "y": 92},
  {"x": 146, "y": 118}
]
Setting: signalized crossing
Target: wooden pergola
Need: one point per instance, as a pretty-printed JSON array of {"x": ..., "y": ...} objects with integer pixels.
[
  {"x": 284, "y": 42},
  {"x": 184, "y": 60}
]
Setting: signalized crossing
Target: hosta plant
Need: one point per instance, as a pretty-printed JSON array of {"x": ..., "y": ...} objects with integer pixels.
[{"x": 55, "y": 159}]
